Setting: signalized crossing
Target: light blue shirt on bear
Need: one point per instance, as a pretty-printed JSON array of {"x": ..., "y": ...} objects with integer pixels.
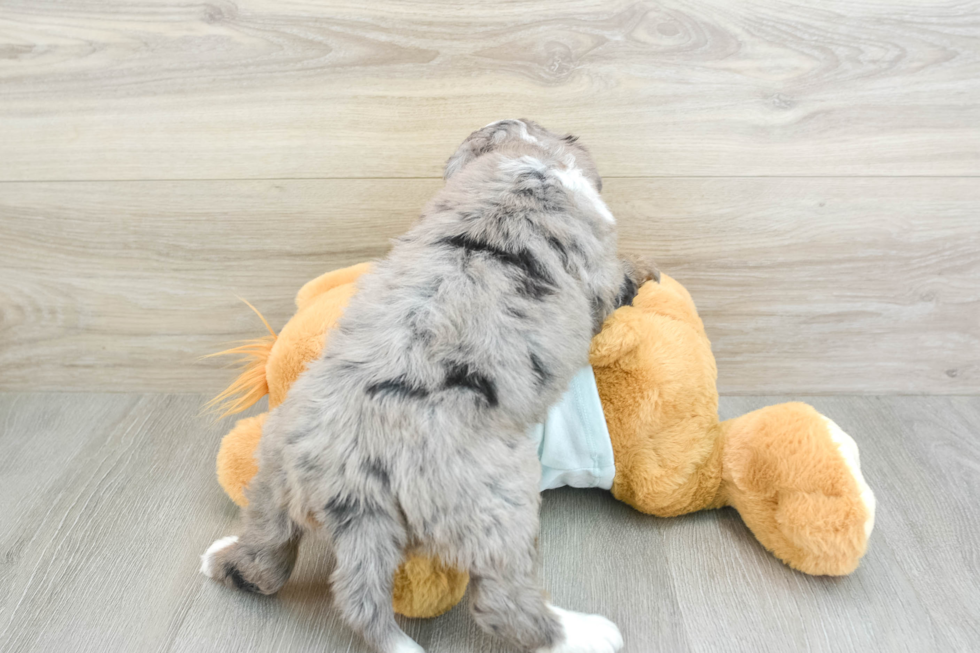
[{"x": 573, "y": 442}]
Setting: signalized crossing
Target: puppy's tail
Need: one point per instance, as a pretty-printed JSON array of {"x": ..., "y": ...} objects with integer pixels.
[{"x": 251, "y": 384}]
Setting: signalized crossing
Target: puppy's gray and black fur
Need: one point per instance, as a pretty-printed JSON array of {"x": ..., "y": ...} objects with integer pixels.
[{"x": 410, "y": 431}]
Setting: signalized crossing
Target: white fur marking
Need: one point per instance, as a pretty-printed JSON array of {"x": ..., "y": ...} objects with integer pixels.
[
  {"x": 526, "y": 136},
  {"x": 523, "y": 133},
  {"x": 495, "y": 122},
  {"x": 585, "y": 633},
  {"x": 407, "y": 645},
  {"x": 208, "y": 557},
  {"x": 575, "y": 181},
  {"x": 849, "y": 450}
]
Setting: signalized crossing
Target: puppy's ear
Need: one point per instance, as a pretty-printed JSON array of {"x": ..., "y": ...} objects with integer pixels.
[
  {"x": 627, "y": 291},
  {"x": 637, "y": 270},
  {"x": 478, "y": 143}
]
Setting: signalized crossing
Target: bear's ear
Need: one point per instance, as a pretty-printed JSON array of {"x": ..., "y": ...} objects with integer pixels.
[
  {"x": 328, "y": 281},
  {"x": 616, "y": 339}
]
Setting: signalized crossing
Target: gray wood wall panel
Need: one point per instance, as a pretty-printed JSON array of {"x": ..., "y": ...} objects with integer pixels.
[
  {"x": 805, "y": 285},
  {"x": 302, "y": 88}
]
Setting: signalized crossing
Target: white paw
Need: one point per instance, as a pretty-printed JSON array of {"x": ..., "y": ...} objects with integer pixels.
[
  {"x": 407, "y": 645},
  {"x": 206, "y": 568},
  {"x": 849, "y": 450},
  {"x": 585, "y": 633}
]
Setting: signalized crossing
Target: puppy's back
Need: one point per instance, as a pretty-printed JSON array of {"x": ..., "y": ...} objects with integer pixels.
[{"x": 487, "y": 305}]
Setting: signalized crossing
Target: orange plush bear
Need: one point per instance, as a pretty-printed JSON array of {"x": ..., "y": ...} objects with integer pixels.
[{"x": 792, "y": 474}]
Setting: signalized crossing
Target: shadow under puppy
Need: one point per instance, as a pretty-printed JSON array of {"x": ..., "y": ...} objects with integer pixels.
[{"x": 409, "y": 433}]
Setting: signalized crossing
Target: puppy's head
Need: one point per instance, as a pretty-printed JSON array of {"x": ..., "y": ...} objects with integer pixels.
[{"x": 524, "y": 137}]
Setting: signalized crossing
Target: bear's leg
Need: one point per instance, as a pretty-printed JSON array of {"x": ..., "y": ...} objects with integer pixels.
[
  {"x": 236, "y": 457},
  {"x": 424, "y": 587},
  {"x": 794, "y": 477}
]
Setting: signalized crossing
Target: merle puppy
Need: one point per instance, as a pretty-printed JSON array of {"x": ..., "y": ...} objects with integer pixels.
[{"x": 409, "y": 433}]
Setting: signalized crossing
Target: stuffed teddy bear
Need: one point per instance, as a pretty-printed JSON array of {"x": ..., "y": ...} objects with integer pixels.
[{"x": 791, "y": 473}]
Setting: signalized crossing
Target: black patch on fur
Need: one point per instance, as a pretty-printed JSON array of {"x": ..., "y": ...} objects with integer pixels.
[
  {"x": 539, "y": 369},
  {"x": 536, "y": 283},
  {"x": 342, "y": 511},
  {"x": 570, "y": 139},
  {"x": 530, "y": 184},
  {"x": 346, "y": 511},
  {"x": 627, "y": 291},
  {"x": 239, "y": 581},
  {"x": 460, "y": 375},
  {"x": 597, "y": 317},
  {"x": 485, "y": 148},
  {"x": 561, "y": 251},
  {"x": 377, "y": 470},
  {"x": 399, "y": 387},
  {"x": 420, "y": 333},
  {"x": 423, "y": 336}
]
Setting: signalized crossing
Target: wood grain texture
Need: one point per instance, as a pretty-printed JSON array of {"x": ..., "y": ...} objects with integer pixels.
[
  {"x": 805, "y": 285},
  {"x": 301, "y": 88},
  {"x": 109, "y": 500},
  {"x": 822, "y": 285}
]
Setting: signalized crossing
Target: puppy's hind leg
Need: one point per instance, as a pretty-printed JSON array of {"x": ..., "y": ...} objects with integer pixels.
[
  {"x": 508, "y": 601},
  {"x": 262, "y": 558},
  {"x": 512, "y": 606},
  {"x": 368, "y": 543}
]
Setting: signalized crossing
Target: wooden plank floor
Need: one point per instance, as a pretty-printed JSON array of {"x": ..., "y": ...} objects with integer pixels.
[{"x": 108, "y": 499}]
